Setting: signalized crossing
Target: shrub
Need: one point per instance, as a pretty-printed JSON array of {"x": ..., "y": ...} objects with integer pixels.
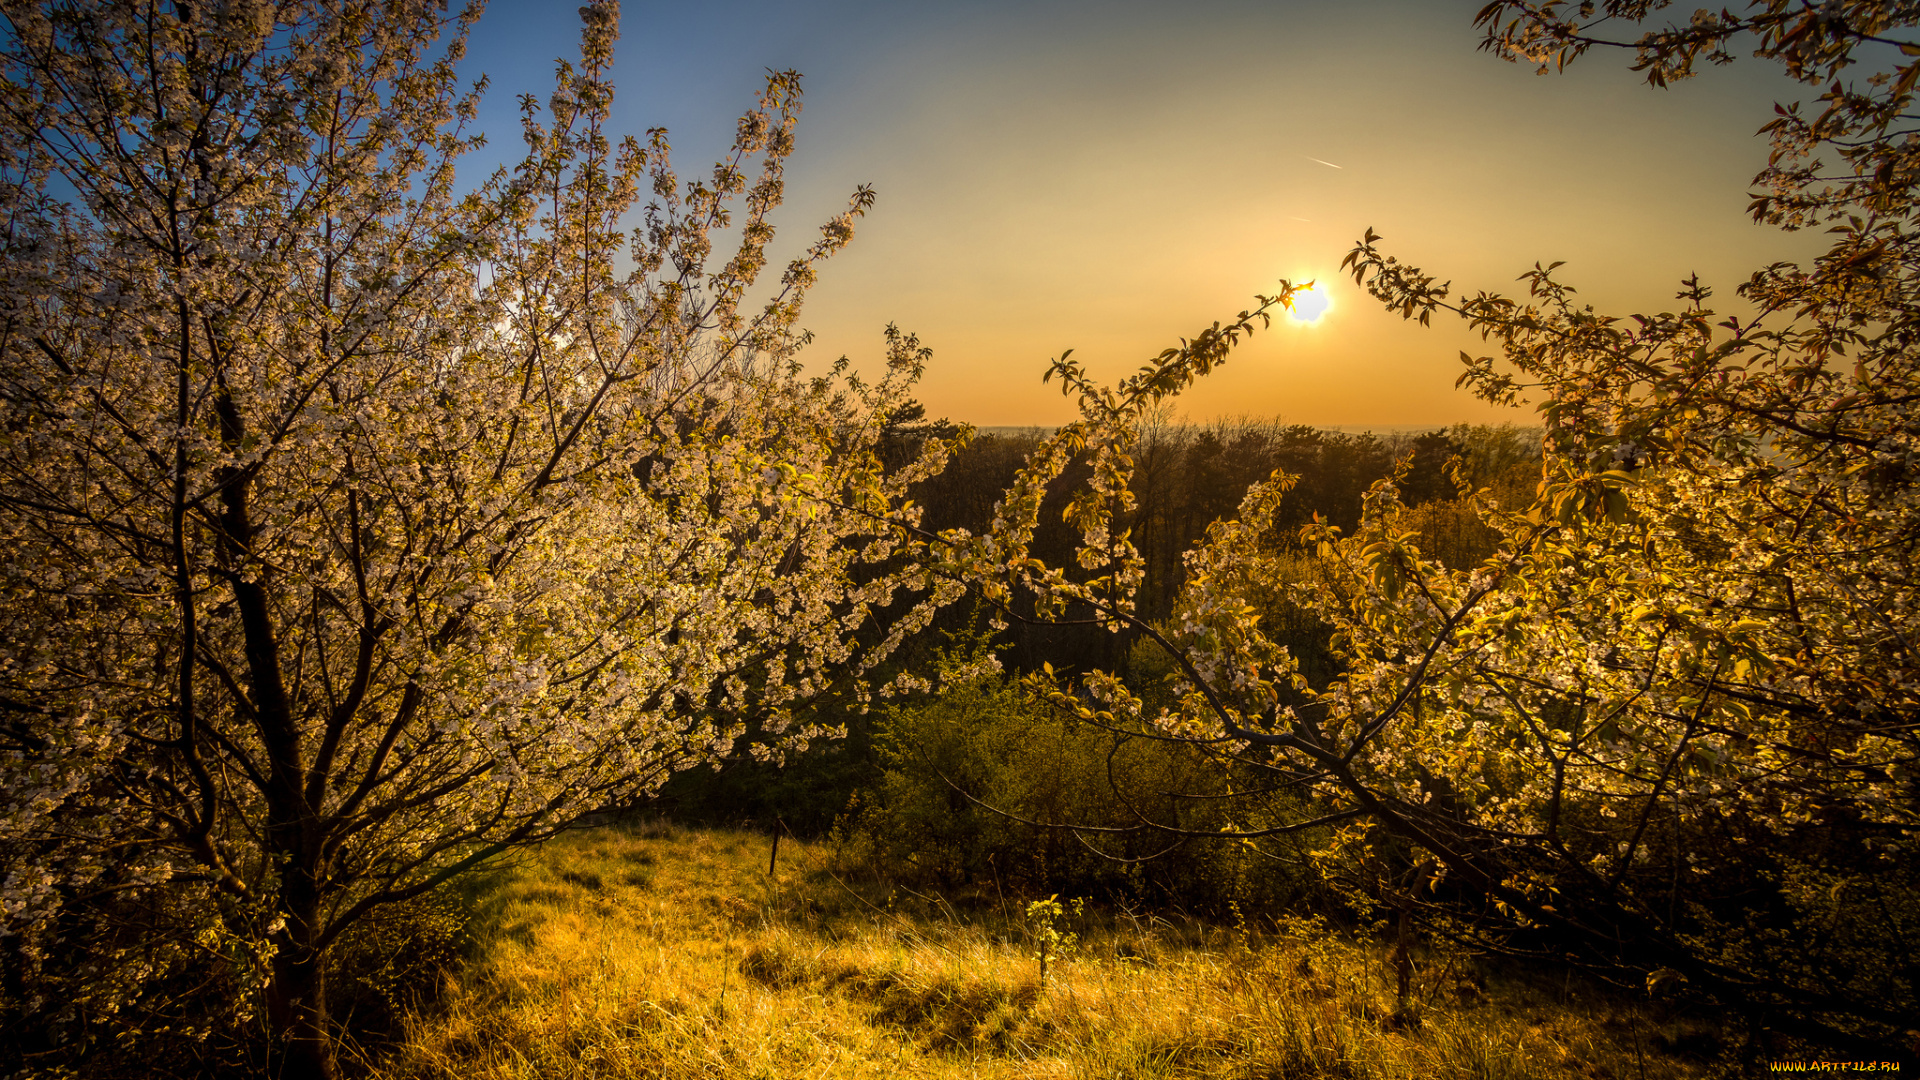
[{"x": 983, "y": 785}]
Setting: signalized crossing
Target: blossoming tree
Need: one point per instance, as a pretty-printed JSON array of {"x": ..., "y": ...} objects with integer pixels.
[
  {"x": 1667, "y": 730},
  {"x": 354, "y": 529}
]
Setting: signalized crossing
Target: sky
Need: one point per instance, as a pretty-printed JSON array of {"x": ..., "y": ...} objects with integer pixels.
[{"x": 1111, "y": 177}]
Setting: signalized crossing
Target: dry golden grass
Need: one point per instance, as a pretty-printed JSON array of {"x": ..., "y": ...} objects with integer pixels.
[{"x": 616, "y": 953}]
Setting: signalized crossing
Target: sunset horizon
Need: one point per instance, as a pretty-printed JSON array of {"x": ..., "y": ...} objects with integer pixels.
[{"x": 1111, "y": 178}]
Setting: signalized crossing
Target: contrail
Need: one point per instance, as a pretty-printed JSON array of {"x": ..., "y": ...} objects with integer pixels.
[{"x": 1328, "y": 164}]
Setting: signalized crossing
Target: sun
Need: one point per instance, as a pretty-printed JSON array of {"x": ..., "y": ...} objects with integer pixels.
[{"x": 1309, "y": 303}]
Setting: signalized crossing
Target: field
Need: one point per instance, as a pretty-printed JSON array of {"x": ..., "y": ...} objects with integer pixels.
[{"x": 657, "y": 952}]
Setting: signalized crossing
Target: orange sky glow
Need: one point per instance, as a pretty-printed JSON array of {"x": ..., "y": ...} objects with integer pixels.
[{"x": 1111, "y": 177}]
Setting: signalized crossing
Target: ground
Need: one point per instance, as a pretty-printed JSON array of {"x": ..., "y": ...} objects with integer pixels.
[{"x": 651, "y": 951}]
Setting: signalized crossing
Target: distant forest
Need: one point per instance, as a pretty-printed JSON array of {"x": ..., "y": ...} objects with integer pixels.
[{"x": 1189, "y": 475}]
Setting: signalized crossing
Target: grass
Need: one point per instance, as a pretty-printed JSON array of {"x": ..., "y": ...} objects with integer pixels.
[{"x": 658, "y": 953}]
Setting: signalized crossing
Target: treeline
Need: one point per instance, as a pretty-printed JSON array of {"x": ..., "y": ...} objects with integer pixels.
[{"x": 1189, "y": 476}]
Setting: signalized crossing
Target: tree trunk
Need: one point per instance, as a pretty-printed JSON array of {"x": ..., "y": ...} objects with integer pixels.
[
  {"x": 302, "y": 1047},
  {"x": 297, "y": 996}
]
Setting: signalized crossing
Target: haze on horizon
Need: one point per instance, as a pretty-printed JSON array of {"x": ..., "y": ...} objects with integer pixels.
[{"x": 1113, "y": 176}]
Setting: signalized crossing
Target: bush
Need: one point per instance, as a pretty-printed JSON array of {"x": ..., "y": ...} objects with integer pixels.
[
  {"x": 980, "y": 783},
  {"x": 131, "y": 982},
  {"x": 393, "y": 961},
  {"x": 194, "y": 1007}
]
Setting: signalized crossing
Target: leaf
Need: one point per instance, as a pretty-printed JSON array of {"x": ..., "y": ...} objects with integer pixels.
[
  {"x": 1663, "y": 979},
  {"x": 1616, "y": 506}
]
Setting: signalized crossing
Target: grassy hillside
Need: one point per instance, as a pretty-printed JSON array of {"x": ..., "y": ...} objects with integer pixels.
[{"x": 652, "y": 952}]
